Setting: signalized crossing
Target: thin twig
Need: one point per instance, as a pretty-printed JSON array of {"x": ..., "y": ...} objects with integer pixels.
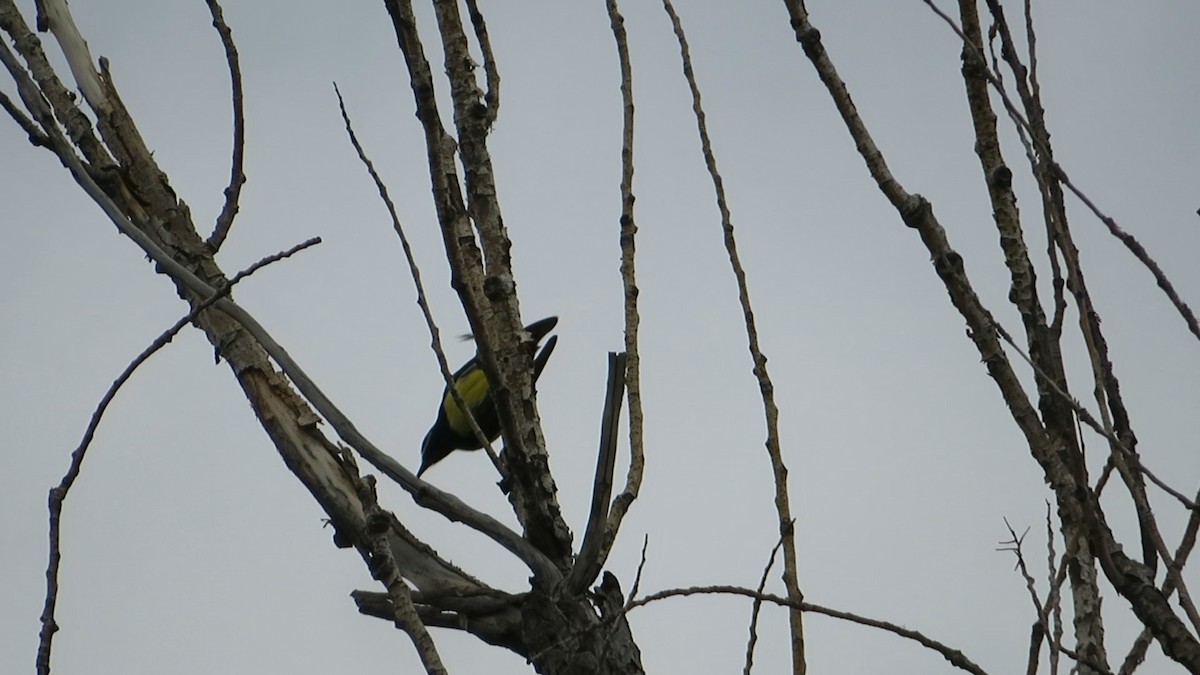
[
  {"x": 237, "y": 176},
  {"x": 756, "y": 607},
  {"x": 637, "y": 577},
  {"x": 491, "y": 97},
  {"x": 954, "y": 656},
  {"x": 58, "y": 494},
  {"x": 1014, "y": 545},
  {"x": 422, "y": 299},
  {"x": 1031, "y": 42},
  {"x": 1056, "y": 573},
  {"x": 779, "y": 471},
  {"x": 1089, "y": 420},
  {"x": 36, "y": 137},
  {"x": 1135, "y": 247}
]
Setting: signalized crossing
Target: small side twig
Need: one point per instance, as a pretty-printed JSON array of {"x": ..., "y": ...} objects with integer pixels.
[
  {"x": 237, "y": 176},
  {"x": 954, "y": 656},
  {"x": 491, "y": 97},
  {"x": 58, "y": 494},
  {"x": 783, "y": 509},
  {"x": 1014, "y": 545},
  {"x": 1087, "y": 418},
  {"x": 36, "y": 137},
  {"x": 637, "y": 577},
  {"x": 1135, "y": 247},
  {"x": 1031, "y": 40},
  {"x": 422, "y": 299},
  {"x": 757, "y": 607},
  {"x": 1056, "y": 573}
]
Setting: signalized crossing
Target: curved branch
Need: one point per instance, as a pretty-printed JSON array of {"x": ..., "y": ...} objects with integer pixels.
[
  {"x": 237, "y": 177},
  {"x": 58, "y": 494},
  {"x": 954, "y": 656}
]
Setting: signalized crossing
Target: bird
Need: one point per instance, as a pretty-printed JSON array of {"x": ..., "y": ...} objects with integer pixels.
[{"x": 452, "y": 430}]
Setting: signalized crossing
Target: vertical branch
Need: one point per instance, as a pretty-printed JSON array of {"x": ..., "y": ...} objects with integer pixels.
[
  {"x": 1055, "y": 577},
  {"x": 492, "y": 96},
  {"x": 783, "y": 510},
  {"x": 1077, "y": 504},
  {"x": 419, "y": 286},
  {"x": 385, "y": 570},
  {"x": 633, "y": 479},
  {"x": 483, "y": 278},
  {"x": 756, "y": 608},
  {"x": 504, "y": 349},
  {"x": 440, "y": 149},
  {"x": 1044, "y": 348},
  {"x": 1107, "y": 387},
  {"x": 589, "y": 563}
]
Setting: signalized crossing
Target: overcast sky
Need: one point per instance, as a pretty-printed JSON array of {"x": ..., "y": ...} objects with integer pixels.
[{"x": 188, "y": 547}]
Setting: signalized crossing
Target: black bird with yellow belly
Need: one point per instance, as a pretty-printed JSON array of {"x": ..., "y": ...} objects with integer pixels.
[{"x": 452, "y": 430}]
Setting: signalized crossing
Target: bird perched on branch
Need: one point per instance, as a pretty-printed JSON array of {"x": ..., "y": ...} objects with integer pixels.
[{"x": 452, "y": 430}]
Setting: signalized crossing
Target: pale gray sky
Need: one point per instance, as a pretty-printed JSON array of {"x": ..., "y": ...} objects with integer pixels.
[{"x": 188, "y": 548}]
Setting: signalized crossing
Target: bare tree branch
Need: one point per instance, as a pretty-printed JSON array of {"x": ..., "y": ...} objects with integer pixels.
[
  {"x": 58, "y": 495},
  {"x": 483, "y": 278},
  {"x": 492, "y": 96},
  {"x": 1014, "y": 545},
  {"x": 237, "y": 177},
  {"x": 36, "y": 137},
  {"x": 588, "y": 563},
  {"x": 422, "y": 299},
  {"x": 1043, "y": 343},
  {"x": 954, "y": 656},
  {"x": 1055, "y": 169},
  {"x": 1056, "y": 576},
  {"x": 384, "y": 569},
  {"x": 1082, "y": 519},
  {"x": 444, "y": 503},
  {"x": 756, "y": 607},
  {"x": 1137, "y": 652},
  {"x": 49, "y": 94},
  {"x": 1087, "y": 418},
  {"x": 628, "y": 236},
  {"x": 766, "y": 388}
]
